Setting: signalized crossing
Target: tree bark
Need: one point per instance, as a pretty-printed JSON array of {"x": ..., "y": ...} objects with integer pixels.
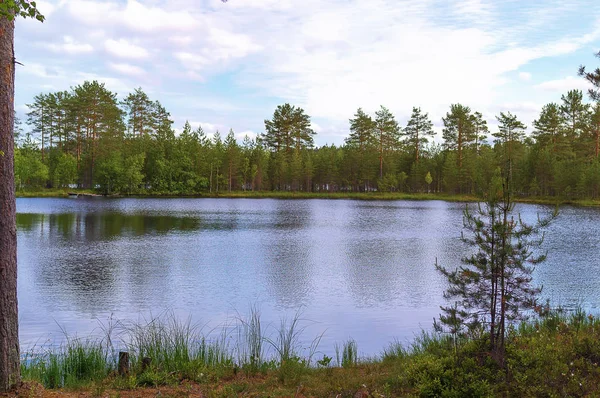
[{"x": 9, "y": 329}]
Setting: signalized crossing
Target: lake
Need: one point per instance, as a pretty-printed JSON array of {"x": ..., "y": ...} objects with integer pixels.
[{"x": 355, "y": 269}]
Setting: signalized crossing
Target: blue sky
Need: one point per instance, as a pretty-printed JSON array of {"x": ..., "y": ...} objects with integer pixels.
[{"x": 228, "y": 65}]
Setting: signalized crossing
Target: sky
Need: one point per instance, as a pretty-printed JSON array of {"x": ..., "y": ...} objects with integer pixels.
[{"x": 228, "y": 65}]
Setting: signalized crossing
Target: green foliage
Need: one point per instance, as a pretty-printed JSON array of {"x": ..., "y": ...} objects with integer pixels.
[
  {"x": 74, "y": 364},
  {"x": 63, "y": 169},
  {"x": 493, "y": 287},
  {"x": 594, "y": 78},
  {"x": 418, "y": 128},
  {"x": 428, "y": 178},
  {"x": 23, "y": 8},
  {"x": 30, "y": 172},
  {"x": 389, "y": 183}
]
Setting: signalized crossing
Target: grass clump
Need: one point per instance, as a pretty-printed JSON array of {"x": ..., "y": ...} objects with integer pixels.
[
  {"x": 347, "y": 355},
  {"x": 73, "y": 364}
]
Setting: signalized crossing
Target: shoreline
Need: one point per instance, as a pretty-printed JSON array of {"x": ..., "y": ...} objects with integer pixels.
[
  {"x": 555, "y": 354},
  {"x": 552, "y": 201}
]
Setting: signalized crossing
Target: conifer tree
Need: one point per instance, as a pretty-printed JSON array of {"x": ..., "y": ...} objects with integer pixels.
[
  {"x": 594, "y": 78},
  {"x": 418, "y": 128},
  {"x": 387, "y": 132}
]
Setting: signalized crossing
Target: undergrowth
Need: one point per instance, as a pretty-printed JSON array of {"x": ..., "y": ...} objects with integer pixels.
[{"x": 557, "y": 355}]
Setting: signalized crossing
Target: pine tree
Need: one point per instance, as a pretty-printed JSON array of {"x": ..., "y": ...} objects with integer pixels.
[
  {"x": 140, "y": 111},
  {"x": 458, "y": 134},
  {"x": 493, "y": 287},
  {"x": 361, "y": 142},
  {"x": 549, "y": 127},
  {"x": 232, "y": 151},
  {"x": 595, "y": 129},
  {"x": 594, "y": 78},
  {"x": 458, "y": 130},
  {"x": 387, "y": 133},
  {"x": 574, "y": 113},
  {"x": 480, "y": 131},
  {"x": 418, "y": 128},
  {"x": 289, "y": 128}
]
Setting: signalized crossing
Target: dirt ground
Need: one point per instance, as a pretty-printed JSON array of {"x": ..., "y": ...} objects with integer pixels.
[{"x": 33, "y": 390}]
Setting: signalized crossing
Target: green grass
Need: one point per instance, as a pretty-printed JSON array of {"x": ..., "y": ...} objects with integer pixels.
[
  {"x": 557, "y": 355},
  {"x": 75, "y": 363}
]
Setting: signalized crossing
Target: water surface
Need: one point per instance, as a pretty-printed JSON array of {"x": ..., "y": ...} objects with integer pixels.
[{"x": 357, "y": 269}]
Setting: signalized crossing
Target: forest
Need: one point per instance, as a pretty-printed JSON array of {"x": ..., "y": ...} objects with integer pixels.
[{"x": 89, "y": 138}]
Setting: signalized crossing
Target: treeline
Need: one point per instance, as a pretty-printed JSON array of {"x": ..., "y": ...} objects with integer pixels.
[{"x": 89, "y": 138}]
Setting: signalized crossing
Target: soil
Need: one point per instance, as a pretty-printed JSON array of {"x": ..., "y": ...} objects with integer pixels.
[{"x": 34, "y": 390}]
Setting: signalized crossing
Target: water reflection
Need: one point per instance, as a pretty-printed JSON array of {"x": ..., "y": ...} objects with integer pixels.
[
  {"x": 100, "y": 226},
  {"x": 288, "y": 250}
]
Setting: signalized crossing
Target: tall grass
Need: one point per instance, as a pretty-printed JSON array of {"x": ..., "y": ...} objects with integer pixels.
[
  {"x": 347, "y": 355},
  {"x": 176, "y": 348},
  {"x": 72, "y": 364},
  {"x": 168, "y": 341}
]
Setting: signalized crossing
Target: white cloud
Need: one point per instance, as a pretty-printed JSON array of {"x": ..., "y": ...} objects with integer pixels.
[
  {"x": 45, "y": 8},
  {"x": 112, "y": 83},
  {"x": 564, "y": 85},
  {"x": 194, "y": 61},
  {"x": 221, "y": 47},
  {"x": 248, "y": 133},
  {"x": 317, "y": 128},
  {"x": 37, "y": 70},
  {"x": 356, "y": 53},
  {"x": 209, "y": 128},
  {"x": 181, "y": 40},
  {"x": 124, "y": 49},
  {"x": 134, "y": 15},
  {"x": 525, "y": 76},
  {"x": 126, "y": 69},
  {"x": 70, "y": 46}
]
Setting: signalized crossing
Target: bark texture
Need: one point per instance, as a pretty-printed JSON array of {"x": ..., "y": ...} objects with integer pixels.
[{"x": 9, "y": 329}]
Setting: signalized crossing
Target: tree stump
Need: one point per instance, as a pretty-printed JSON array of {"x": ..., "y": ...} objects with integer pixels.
[
  {"x": 146, "y": 363},
  {"x": 123, "y": 363}
]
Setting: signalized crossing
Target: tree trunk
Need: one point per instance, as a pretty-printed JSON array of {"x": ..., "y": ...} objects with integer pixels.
[{"x": 9, "y": 328}]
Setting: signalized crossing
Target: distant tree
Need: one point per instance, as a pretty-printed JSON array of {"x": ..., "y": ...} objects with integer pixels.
[
  {"x": 595, "y": 129},
  {"x": 361, "y": 142},
  {"x": 289, "y": 128},
  {"x": 65, "y": 170},
  {"x": 232, "y": 154},
  {"x": 510, "y": 132},
  {"x": 458, "y": 135},
  {"x": 575, "y": 113},
  {"x": 30, "y": 172},
  {"x": 428, "y": 180},
  {"x": 418, "y": 128},
  {"x": 480, "y": 130},
  {"x": 140, "y": 111},
  {"x": 362, "y": 131},
  {"x": 458, "y": 130},
  {"x": 387, "y": 133},
  {"x": 133, "y": 175},
  {"x": 549, "y": 127},
  {"x": 110, "y": 172}
]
